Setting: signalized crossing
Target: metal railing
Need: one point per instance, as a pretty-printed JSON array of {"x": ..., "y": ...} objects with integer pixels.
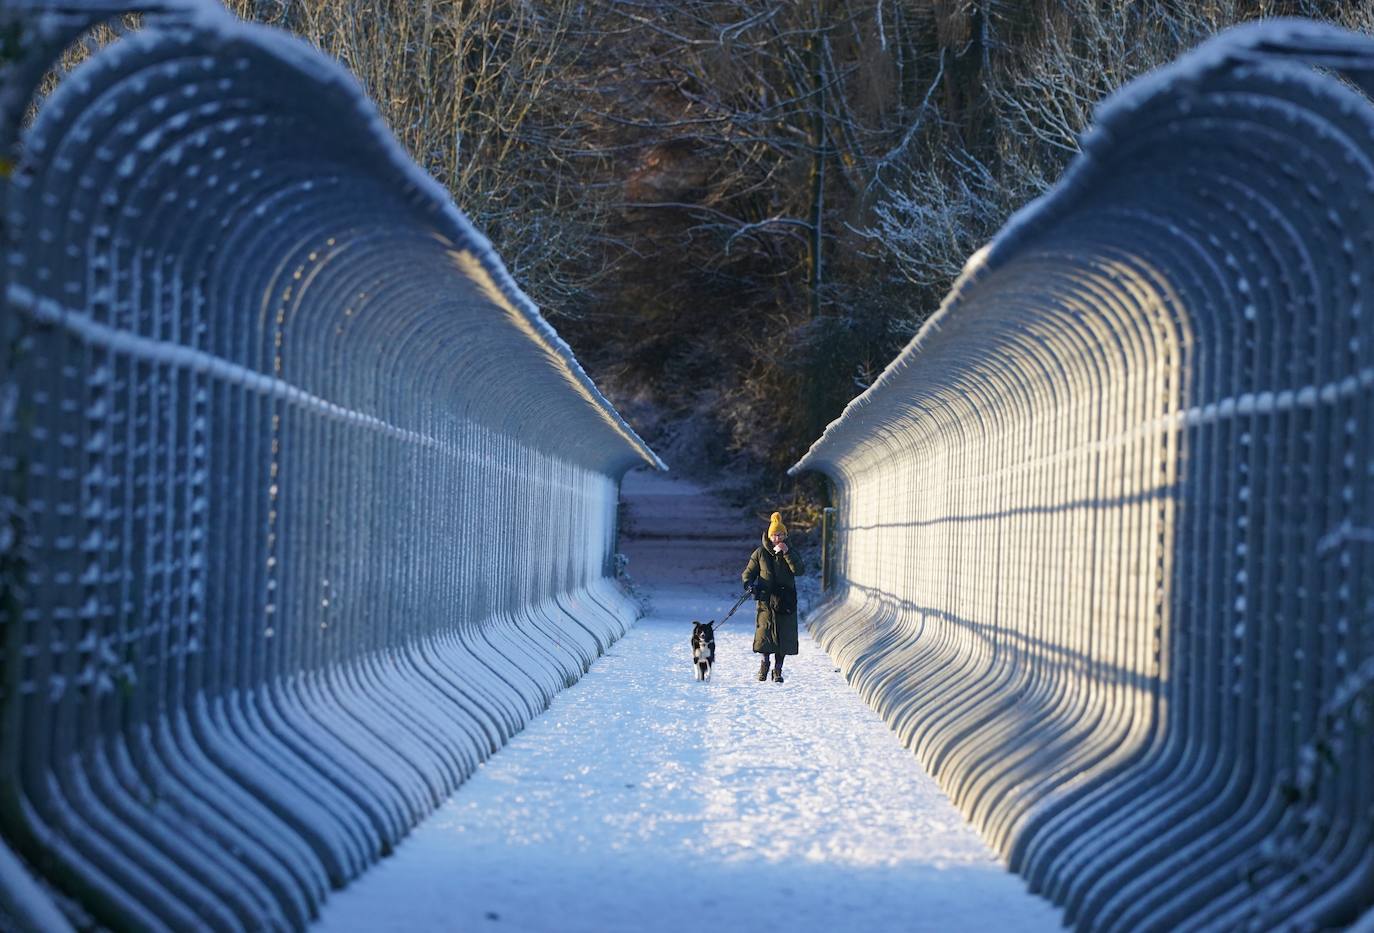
[
  {"x": 1106, "y": 527},
  {"x": 304, "y": 508}
]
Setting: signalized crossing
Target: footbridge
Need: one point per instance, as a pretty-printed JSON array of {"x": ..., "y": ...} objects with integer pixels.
[{"x": 305, "y": 510}]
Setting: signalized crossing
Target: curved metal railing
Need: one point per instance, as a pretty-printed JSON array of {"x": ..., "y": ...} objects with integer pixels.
[
  {"x": 1106, "y": 548},
  {"x": 305, "y": 509}
]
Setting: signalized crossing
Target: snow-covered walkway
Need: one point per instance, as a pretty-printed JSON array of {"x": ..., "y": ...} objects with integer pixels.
[{"x": 643, "y": 800}]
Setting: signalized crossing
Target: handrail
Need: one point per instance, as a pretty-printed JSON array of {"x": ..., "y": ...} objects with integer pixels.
[
  {"x": 304, "y": 508},
  {"x": 1090, "y": 559}
]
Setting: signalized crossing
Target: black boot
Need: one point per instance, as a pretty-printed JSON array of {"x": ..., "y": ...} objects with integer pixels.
[
  {"x": 777, "y": 670},
  {"x": 763, "y": 668}
]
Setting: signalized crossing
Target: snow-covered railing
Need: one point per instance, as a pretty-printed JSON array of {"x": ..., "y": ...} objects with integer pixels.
[
  {"x": 305, "y": 508},
  {"x": 1105, "y": 555}
]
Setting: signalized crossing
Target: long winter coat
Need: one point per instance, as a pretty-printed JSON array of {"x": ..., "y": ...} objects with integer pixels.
[{"x": 775, "y": 630}]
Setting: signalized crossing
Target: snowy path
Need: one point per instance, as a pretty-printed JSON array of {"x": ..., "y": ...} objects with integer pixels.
[{"x": 644, "y": 800}]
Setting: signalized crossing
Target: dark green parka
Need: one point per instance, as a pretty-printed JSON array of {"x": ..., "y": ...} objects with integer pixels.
[{"x": 775, "y": 628}]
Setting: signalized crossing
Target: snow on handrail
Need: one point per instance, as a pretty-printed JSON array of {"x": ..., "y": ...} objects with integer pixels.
[
  {"x": 1094, "y": 561},
  {"x": 304, "y": 508}
]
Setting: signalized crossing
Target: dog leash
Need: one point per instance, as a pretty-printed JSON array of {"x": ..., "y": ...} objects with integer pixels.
[{"x": 739, "y": 602}]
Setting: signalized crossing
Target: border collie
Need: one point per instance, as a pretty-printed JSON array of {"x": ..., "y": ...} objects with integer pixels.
[{"x": 703, "y": 648}]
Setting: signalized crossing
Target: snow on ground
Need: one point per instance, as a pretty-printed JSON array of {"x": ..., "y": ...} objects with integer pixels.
[{"x": 643, "y": 799}]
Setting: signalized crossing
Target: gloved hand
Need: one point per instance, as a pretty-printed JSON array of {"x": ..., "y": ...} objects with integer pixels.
[{"x": 758, "y": 588}]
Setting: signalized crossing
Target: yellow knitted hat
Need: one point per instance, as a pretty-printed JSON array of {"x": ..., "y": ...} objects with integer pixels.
[{"x": 775, "y": 525}]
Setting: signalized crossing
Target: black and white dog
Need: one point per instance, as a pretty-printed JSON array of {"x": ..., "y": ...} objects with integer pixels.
[{"x": 703, "y": 648}]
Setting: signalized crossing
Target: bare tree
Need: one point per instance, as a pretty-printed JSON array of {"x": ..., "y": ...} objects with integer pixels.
[
  {"x": 738, "y": 210},
  {"x": 476, "y": 91}
]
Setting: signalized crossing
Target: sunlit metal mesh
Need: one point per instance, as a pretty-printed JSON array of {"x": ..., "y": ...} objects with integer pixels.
[{"x": 1106, "y": 527}]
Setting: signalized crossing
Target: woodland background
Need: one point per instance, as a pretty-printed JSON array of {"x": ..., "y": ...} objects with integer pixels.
[{"x": 738, "y": 211}]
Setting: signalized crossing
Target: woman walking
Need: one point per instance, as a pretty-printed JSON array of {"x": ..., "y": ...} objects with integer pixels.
[{"x": 771, "y": 576}]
